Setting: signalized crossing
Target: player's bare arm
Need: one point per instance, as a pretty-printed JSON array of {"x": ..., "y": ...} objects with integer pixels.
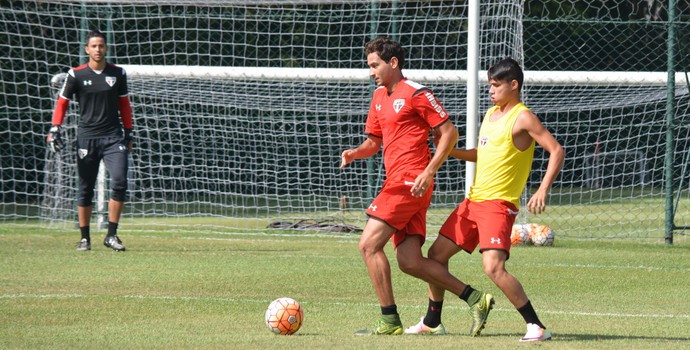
[
  {"x": 368, "y": 148},
  {"x": 447, "y": 138},
  {"x": 528, "y": 127},
  {"x": 468, "y": 155}
]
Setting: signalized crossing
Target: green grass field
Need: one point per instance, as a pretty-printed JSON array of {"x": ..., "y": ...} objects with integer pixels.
[{"x": 192, "y": 289}]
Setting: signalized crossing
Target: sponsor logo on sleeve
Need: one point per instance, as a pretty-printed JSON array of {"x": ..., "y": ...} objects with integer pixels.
[{"x": 434, "y": 103}]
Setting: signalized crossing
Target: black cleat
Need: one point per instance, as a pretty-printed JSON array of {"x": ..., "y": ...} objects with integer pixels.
[
  {"x": 83, "y": 245},
  {"x": 114, "y": 242}
]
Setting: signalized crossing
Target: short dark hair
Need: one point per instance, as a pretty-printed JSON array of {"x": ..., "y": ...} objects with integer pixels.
[
  {"x": 507, "y": 69},
  {"x": 386, "y": 48},
  {"x": 95, "y": 34}
]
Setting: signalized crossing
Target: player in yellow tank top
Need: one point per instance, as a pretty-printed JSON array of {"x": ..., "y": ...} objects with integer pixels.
[
  {"x": 504, "y": 154},
  {"x": 505, "y": 176}
]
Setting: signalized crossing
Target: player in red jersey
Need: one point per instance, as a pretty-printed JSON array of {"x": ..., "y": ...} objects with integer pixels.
[
  {"x": 104, "y": 133},
  {"x": 401, "y": 115}
]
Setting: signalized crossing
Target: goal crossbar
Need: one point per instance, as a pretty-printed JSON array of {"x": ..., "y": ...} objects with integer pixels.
[{"x": 327, "y": 74}]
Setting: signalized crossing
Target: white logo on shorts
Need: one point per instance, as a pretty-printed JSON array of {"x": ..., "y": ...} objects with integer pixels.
[
  {"x": 372, "y": 207},
  {"x": 495, "y": 240},
  {"x": 83, "y": 153}
]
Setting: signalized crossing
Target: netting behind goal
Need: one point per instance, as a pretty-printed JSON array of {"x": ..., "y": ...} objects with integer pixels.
[
  {"x": 253, "y": 140},
  {"x": 252, "y": 148}
]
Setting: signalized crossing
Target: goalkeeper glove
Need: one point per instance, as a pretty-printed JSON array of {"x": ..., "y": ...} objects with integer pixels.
[{"x": 55, "y": 141}]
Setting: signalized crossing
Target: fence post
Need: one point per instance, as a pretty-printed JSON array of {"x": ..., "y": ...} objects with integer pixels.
[{"x": 670, "y": 116}]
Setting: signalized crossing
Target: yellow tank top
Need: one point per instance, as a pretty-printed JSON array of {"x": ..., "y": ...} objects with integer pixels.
[{"x": 502, "y": 169}]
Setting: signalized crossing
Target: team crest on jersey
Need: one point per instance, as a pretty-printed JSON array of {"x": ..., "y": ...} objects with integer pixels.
[
  {"x": 111, "y": 81},
  {"x": 82, "y": 153},
  {"x": 398, "y": 104},
  {"x": 483, "y": 141}
]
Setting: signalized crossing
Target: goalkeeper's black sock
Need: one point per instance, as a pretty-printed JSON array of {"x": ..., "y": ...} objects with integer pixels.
[
  {"x": 86, "y": 233},
  {"x": 530, "y": 316},
  {"x": 433, "y": 313},
  {"x": 112, "y": 228}
]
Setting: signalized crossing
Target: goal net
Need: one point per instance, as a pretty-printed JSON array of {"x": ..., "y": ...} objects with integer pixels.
[{"x": 242, "y": 109}]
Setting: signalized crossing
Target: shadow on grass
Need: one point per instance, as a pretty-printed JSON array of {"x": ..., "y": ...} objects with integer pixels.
[{"x": 560, "y": 337}]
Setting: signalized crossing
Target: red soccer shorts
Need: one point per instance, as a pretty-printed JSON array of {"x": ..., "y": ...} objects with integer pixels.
[
  {"x": 396, "y": 206},
  {"x": 487, "y": 224}
]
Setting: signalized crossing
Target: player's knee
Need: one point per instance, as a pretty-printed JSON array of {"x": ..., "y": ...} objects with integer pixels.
[
  {"x": 409, "y": 267},
  {"x": 370, "y": 244},
  {"x": 366, "y": 248},
  {"x": 490, "y": 271},
  {"x": 119, "y": 189},
  {"x": 85, "y": 197},
  {"x": 437, "y": 255},
  {"x": 118, "y": 194},
  {"x": 411, "y": 264},
  {"x": 493, "y": 270}
]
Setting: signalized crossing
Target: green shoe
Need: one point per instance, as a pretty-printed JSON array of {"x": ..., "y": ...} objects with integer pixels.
[
  {"x": 386, "y": 325},
  {"x": 480, "y": 312}
]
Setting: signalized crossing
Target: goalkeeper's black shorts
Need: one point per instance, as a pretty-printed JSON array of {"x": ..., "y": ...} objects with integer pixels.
[{"x": 114, "y": 153}]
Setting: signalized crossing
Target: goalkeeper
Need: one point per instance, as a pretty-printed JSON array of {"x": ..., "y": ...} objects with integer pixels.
[{"x": 104, "y": 133}]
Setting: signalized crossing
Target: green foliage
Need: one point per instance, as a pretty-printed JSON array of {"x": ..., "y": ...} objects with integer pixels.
[{"x": 193, "y": 289}]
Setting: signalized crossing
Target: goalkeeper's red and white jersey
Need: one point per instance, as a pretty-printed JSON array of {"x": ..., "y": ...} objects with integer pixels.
[{"x": 403, "y": 120}]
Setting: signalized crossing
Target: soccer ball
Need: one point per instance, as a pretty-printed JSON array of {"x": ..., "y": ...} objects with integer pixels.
[
  {"x": 541, "y": 235},
  {"x": 520, "y": 234},
  {"x": 284, "y": 316}
]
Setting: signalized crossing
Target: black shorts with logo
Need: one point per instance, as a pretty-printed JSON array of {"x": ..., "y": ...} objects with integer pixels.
[{"x": 114, "y": 153}]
